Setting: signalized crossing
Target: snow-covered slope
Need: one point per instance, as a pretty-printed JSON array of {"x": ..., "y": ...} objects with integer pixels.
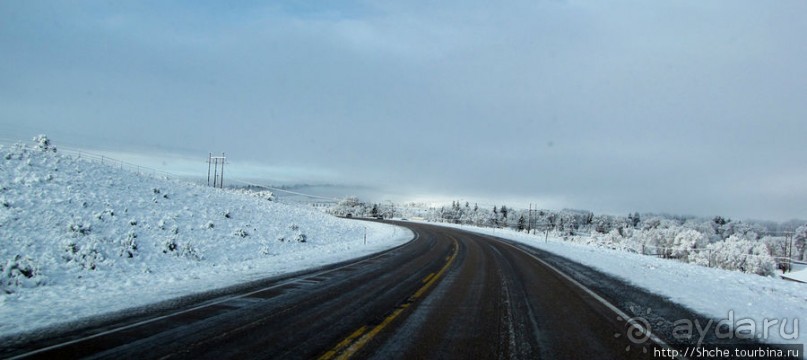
[{"x": 79, "y": 238}]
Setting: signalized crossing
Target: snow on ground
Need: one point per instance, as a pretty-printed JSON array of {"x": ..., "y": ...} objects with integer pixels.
[
  {"x": 79, "y": 239},
  {"x": 721, "y": 294},
  {"x": 799, "y": 273}
]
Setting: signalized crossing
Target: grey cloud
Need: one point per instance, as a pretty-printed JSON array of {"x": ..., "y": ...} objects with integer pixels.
[{"x": 687, "y": 107}]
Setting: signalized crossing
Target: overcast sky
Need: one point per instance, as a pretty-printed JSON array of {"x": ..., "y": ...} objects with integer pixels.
[{"x": 686, "y": 107}]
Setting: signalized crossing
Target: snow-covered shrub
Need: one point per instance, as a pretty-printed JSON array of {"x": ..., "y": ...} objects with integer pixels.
[
  {"x": 800, "y": 243},
  {"x": 168, "y": 223},
  {"x": 685, "y": 242},
  {"x": 43, "y": 143},
  {"x": 266, "y": 248},
  {"x": 189, "y": 251},
  {"x": 241, "y": 233},
  {"x": 295, "y": 235},
  {"x": 651, "y": 223},
  {"x": 265, "y": 195},
  {"x": 777, "y": 245},
  {"x": 20, "y": 271},
  {"x": 737, "y": 254},
  {"x": 129, "y": 245},
  {"x": 79, "y": 228},
  {"x": 170, "y": 245},
  {"x": 84, "y": 256},
  {"x": 254, "y": 192},
  {"x": 350, "y": 205},
  {"x": 655, "y": 240},
  {"x": 611, "y": 240},
  {"x": 107, "y": 213}
]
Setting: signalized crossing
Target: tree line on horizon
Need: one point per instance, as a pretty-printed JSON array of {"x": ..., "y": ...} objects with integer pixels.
[{"x": 759, "y": 247}]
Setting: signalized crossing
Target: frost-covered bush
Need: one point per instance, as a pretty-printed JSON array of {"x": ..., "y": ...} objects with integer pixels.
[
  {"x": 19, "y": 271},
  {"x": 685, "y": 242},
  {"x": 296, "y": 235},
  {"x": 186, "y": 249},
  {"x": 43, "y": 143},
  {"x": 611, "y": 240},
  {"x": 85, "y": 256},
  {"x": 255, "y": 191},
  {"x": 737, "y": 254},
  {"x": 191, "y": 252},
  {"x": 79, "y": 228},
  {"x": 170, "y": 245},
  {"x": 129, "y": 245},
  {"x": 350, "y": 205},
  {"x": 301, "y": 238},
  {"x": 656, "y": 240},
  {"x": 265, "y": 248},
  {"x": 265, "y": 195},
  {"x": 800, "y": 243}
]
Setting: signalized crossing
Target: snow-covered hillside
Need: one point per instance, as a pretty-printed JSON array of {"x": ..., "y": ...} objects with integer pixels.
[{"x": 79, "y": 238}]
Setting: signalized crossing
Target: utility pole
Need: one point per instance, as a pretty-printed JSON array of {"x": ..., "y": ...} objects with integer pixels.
[
  {"x": 789, "y": 239},
  {"x": 529, "y": 220},
  {"x": 215, "y": 171},
  {"x": 218, "y": 181}
]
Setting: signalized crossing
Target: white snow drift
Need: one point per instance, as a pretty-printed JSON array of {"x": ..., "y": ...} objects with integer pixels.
[{"x": 79, "y": 238}]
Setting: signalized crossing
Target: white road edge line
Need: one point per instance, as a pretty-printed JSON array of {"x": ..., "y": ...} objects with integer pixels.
[
  {"x": 223, "y": 300},
  {"x": 599, "y": 298}
]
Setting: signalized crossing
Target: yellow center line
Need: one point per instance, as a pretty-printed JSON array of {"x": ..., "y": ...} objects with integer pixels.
[
  {"x": 342, "y": 344},
  {"x": 426, "y": 279},
  {"x": 350, "y": 345},
  {"x": 356, "y": 346}
]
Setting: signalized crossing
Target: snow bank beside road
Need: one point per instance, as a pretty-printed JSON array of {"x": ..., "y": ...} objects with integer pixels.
[{"x": 79, "y": 239}]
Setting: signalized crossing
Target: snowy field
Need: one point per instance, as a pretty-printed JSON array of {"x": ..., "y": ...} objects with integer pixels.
[
  {"x": 721, "y": 294},
  {"x": 79, "y": 239}
]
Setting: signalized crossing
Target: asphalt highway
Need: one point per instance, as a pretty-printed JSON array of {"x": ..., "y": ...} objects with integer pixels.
[{"x": 447, "y": 294}]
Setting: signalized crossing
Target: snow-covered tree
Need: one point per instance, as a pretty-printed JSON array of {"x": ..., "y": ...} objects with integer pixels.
[
  {"x": 522, "y": 223},
  {"x": 738, "y": 254},
  {"x": 350, "y": 205},
  {"x": 634, "y": 219},
  {"x": 43, "y": 143},
  {"x": 800, "y": 243},
  {"x": 685, "y": 242}
]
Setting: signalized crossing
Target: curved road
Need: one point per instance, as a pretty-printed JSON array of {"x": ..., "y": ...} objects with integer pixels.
[{"x": 446, "y": 294}]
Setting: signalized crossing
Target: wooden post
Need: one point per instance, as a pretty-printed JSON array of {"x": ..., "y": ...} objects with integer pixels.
[
  {"x": 209, "y": 158},
  {"x": 221, "y": 183}
]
